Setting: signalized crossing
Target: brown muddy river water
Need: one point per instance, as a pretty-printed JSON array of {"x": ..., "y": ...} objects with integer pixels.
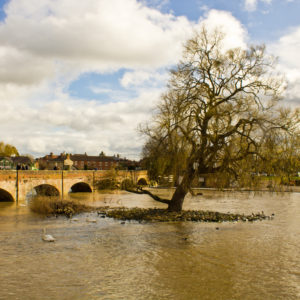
[{"x": 110, "y": 260}]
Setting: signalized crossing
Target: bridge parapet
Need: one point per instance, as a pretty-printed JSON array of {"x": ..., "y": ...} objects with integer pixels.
[{"x": 7, "y": 175}]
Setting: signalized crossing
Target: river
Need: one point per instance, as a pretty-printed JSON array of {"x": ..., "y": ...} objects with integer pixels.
[{"x": 111, "y": 260}]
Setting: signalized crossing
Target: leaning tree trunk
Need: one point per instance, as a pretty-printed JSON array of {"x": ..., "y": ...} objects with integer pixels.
[{"x": 182, "y": 189}]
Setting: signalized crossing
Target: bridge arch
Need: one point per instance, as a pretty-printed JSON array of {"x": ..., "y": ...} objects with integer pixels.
[
  {"x": 5, "y": 196},
  {"x": 127, "y": 183},
  {"x": 80, "y": 187},
  {"x": 46, "y": 190},
  {"x": 142, "y": 181}
]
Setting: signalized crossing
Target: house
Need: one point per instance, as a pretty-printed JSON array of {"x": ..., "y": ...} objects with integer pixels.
[
  {"x": 6, "y": 163},
  {"x": 86, "y": 162},
  {"x": 51, "y": 161},
  {"x": 79, "y": 161},
  {"x": 16, "y": 162},
  {"x": 23, "y": 162},
  {"x": 55, "y": 162}
]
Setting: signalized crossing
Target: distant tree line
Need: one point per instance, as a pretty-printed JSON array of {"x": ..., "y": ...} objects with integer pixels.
[{"x": 8, "y": 150}]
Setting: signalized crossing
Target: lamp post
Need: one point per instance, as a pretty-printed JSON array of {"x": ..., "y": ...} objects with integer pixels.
[
  {"x": 68, "y": 163},
  {"x": 62, "y": 181},
  {"x": 17, "y": 185}
]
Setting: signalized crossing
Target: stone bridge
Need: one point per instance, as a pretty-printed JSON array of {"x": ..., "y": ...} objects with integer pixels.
[{"x": 16, "y": 185}]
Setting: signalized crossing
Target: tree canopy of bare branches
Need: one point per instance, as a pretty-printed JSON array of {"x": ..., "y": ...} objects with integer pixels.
[{"x": 217, "y": 111}]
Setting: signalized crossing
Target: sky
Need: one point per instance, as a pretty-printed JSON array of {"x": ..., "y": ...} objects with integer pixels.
[{"x": 81, "y": 76}]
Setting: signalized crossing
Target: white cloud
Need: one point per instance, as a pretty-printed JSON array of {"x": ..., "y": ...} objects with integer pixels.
[
  {"x": 21, "y": 67},
  {"x": 89, "y": 35},
  {"x": 251, "y": 5},
  {"x": 204, "y": 7},
  {"x": 46, "y": 44},
  {"x": 138, "y": 78},
  {"x": 76, "y": 125},
  {"x": 236, "y": 34},
  {"x": 287, "y": 50},
  {"x": 109, "y": 94},
  {"x": 46, "y": 39}
]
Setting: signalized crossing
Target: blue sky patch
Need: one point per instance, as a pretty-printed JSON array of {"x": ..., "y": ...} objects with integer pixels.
[
  {"x": 102, "y": 87},
  {"x": 2, "y": 12}
]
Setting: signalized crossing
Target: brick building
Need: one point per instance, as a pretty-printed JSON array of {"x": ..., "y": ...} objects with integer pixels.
[
  {"x": 86, "y": 162},
  {"x": 51, "y": 161}
]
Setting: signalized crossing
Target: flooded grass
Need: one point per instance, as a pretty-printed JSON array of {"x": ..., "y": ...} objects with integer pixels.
[
  {"x": 56, "y": 206},
  {"x": 163, "y": 215}
]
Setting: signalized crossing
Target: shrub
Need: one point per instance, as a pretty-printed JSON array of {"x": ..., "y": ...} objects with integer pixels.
[{"x": 56, "y": 206}]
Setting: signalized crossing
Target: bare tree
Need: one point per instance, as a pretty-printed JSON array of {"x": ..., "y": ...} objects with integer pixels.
[{"x": 219, "y": 105}]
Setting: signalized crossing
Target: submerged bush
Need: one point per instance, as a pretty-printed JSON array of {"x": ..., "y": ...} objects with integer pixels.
[
  {"x": 56, "y": 206},
  {"x": 127, "y": 184},
  {"x": 107, "y": 184}
]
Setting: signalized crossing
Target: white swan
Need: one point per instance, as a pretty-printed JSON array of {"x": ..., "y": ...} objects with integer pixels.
[
  {"x": 91, "y": 220},
  {"x": 47, "y": 237}
]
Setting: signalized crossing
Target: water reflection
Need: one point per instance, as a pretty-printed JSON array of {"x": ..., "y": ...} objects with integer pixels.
[
  {"x": 110, "y": 260},
  {"x": 5, "y": 207}
]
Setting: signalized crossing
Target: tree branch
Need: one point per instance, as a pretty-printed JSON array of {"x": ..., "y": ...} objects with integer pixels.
[{"x": 140, "y": 191}]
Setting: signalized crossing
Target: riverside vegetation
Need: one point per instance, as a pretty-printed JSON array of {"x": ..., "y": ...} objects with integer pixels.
[
  {"x": 68, "y": 208},
  {"x": 55, "y": 206}
]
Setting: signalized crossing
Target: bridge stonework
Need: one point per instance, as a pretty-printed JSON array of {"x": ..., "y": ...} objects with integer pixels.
[{"x": 19, "y": 184}]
